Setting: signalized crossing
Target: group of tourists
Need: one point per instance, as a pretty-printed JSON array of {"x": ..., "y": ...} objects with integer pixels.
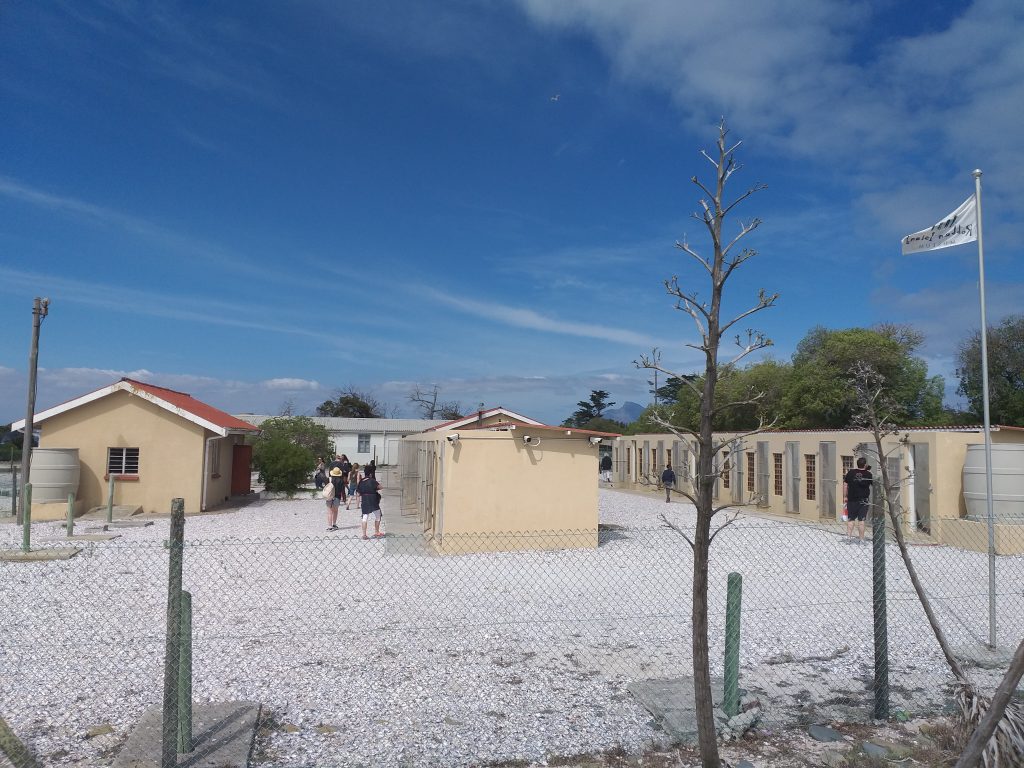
[{"x": 341, "y": 481}]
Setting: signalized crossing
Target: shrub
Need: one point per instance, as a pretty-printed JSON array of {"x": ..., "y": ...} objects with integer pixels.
[{"x": 283, "y": 465}]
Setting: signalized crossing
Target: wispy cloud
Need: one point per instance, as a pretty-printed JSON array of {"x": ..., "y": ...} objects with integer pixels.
[
  {"x": 519, "y": 317},
  {"x": 182, "y": 244},
  {"x": 196, "y": 309}
]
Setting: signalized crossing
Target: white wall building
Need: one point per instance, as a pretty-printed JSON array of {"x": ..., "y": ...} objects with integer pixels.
[{"x": 365, "y": 439}]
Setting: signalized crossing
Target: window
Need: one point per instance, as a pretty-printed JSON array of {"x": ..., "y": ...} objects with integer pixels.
[
  {"x": 629, "y": 462},
  {"x": 812, "y": 483},
  {"x": 654, "y": 460},
  {"x": 726, "y": 469},
  {"x": 364, "y": 444},
  {"x": 669, "y": 456},
  {"x": 750, "y": 471},
  {"x": 847, "y": 464},
  {"x": 215, "y": 459},
  {"x": 777, "y": 466},
  {"x": 122, "y": 461}
]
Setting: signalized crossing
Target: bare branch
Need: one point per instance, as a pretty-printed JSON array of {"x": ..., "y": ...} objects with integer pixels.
[
  {"x": 677, "y": 529},
  {"x": 685, "y": 247},
  {"x": 758, "y": 187},
  {"x": 764, "y": 301},
  {"x": 724, "y": 525}
]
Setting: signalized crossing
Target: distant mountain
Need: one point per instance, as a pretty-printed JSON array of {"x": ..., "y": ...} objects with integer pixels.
[{"x": 627, "y": 413}]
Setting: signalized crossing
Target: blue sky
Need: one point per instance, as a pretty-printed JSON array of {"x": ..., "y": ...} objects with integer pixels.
[{"x": 262, "y": 203}]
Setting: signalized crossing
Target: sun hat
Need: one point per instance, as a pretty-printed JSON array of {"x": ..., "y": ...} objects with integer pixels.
[{"x": 336, "y": 472}]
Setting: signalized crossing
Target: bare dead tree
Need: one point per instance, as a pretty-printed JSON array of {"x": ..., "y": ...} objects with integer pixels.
[
  {"x": 726, "y": 256},
  {"x": 1005, "y": 746},
  {"x": 431, "y": 407}
]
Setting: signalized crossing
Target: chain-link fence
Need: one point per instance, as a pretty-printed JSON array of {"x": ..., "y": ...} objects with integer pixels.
[{"x": 382, "y": 652}]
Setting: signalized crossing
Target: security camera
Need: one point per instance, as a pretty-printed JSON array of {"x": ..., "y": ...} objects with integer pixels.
[
  {"x": 528, "y": 440},
  {"x": 595, "y": 441},
  {"x": 453, "y": 438}
]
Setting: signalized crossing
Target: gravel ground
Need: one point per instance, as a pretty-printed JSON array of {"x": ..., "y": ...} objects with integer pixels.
[{"x": 378, "y": 653}]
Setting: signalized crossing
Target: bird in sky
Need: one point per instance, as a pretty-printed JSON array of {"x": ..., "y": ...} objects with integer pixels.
[{"x": 555, "y": 97}]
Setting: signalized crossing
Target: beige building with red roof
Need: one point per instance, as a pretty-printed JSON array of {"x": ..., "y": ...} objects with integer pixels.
[{"x": 158, "y": 444}]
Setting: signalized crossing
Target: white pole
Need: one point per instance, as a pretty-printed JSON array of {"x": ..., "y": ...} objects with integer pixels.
[{"x": 988, "y": 433}]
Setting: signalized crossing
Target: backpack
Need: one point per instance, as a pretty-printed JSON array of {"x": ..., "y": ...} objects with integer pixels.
[{"x": 328, "y": 491}]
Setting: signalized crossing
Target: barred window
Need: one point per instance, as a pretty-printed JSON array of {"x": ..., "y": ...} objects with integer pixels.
[
  {"x": 847, "y": 464},
  {"x": 364, "y": 444},
  {"x": 122, "y": 461},
  {"x": 750, "y": 471},
  {"x": 812, "y": 483},
  {"x": 726, "y": 469},
  {"x": 777, "y": 466}
]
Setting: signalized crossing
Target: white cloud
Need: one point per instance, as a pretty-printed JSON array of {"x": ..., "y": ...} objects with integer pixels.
[
  {"x": 291, "y": 385},
  {"x": 527, "y": 318}
]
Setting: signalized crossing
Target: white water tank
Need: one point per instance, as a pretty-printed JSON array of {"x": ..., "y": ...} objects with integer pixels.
[
  {"x": 1007, "y": 483},
  {"x": 54, "y": 474}
]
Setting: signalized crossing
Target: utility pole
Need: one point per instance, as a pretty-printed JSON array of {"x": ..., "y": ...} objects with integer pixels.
[{"x": 40, "y": 307}]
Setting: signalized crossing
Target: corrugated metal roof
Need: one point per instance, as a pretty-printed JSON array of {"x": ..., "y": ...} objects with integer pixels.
[{"x": 339, "y": 424}]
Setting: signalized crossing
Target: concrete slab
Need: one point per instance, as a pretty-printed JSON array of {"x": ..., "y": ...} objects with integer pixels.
[
  {"x": 223, "y": 733},
  {"x": 129, "y": 524},
  {"x": 671, "y": 703},
  {"x": 87, "y": 537},
  {"x": 38, "y": 555}
]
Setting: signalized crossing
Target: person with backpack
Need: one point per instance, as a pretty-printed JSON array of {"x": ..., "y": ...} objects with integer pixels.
[
  {"x": 369, "y": 500},
  {"x": 332, "y": 494},
  {"x": 353, "y": 483},
  {"x": 342, "y": 463},
  {"x": 668, "y": 479}
]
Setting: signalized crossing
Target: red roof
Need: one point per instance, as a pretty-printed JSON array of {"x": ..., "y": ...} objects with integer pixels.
[
  {"x": 500, "y": 425},
  {"x": 186, "y": 402}
]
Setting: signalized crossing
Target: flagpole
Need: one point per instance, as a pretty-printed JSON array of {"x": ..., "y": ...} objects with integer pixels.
[{"x": 988, "y": 431}]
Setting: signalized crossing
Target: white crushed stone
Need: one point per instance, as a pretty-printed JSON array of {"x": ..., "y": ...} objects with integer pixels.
[{"x": 377, "y": 653}]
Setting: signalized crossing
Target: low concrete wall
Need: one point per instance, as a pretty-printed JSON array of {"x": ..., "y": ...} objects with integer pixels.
[
  {"x": 973, "y": 535},
  {"x": 55, "y": 510}
]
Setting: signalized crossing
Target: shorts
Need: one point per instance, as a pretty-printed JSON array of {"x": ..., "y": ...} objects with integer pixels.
[
  {"x": 333, "y": 503},
  {"x": 352, "y": 489},
  {"x": 376, "y": 514},
  {"x": 857, "y": 510}
]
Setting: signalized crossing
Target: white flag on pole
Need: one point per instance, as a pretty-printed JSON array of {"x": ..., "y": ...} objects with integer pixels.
[{"x": 961, "y": 226}]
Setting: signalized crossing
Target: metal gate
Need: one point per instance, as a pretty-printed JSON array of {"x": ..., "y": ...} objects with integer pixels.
[
  {"x": 763, "y": 470},
  {"x": 922, "y": 486},
  {"x": 791, "y": 497},
  {"x": 827, "y": 459}
]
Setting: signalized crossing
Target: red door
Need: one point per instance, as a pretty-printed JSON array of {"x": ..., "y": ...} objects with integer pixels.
[{"x": 241, "y": 460}]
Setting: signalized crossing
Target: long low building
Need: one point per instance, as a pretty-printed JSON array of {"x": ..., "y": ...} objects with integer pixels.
[
  {"x": 364, "y": 439},
  {"x": 798, "y": 474}
]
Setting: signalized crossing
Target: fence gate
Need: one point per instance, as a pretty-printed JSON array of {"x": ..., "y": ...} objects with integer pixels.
[
  {"x": 827, "y": 473},
  {"x": 792, "y": 478},
  {"x": 763, "y": 470},
  {"x": 922, "y": 486}
]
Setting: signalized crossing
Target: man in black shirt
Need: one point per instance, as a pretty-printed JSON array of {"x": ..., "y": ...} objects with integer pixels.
[
  {"x": 668, "y": 479},
  {"x": 857, "y": 495},
  {"x": 606, "y": 469}
]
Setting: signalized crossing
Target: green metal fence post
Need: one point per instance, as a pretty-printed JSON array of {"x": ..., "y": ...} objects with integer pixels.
[
  {"x": 26, "y": 520},
  {"x": 734, "y": 596},
  {"x": 172, "y": 660},
  {"x": 185, "y": 676},
  {"x": 71, "y": 515},
  {"x": 110, "y": 501}
]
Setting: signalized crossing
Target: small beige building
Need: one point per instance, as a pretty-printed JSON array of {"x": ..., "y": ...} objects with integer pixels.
[
  {"x": 157, "y": 444},
  {"x": 798, "y": 474},
  {"x": 497, "y": 480}
]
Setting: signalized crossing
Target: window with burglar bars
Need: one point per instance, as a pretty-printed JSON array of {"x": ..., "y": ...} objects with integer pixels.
[
  {"x": 726, "y": 469},
  {"x": 777, "y": 467},
  {"x": 364, "y": 444},
  {"x": 812, "y": 483},
  {"x": 122, "y": 461},
  {"x": 847, "y": 464},
  {"x": 750, "y": 472}
]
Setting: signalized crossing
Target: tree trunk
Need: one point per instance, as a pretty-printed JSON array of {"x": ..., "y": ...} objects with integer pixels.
[{"x": 706, "y": 734}]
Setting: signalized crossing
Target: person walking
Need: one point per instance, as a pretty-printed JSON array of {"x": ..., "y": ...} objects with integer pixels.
[
  {"x": 857, "y": 496},
  {"x": 353, "y": 482},
  {"x": 668, "y": 480},
  {"x": 606, "y": 468},
  {"x": 341, "y": 462},
  {"x": 320, "y": 474},
  {"x": 333, "y": 498},
  {"x": 369, "y": 500}
]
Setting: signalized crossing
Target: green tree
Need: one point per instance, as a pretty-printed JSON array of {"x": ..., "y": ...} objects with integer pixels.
[
  {"x": 589, "y": 409},
  {"x": 353, "y": 404},
  {"x": 601, "y": 424},
  {"x": 820, "y": 390},
  {"x": 1006, "y": 372},
  {"x": 286, "y": 450}
]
